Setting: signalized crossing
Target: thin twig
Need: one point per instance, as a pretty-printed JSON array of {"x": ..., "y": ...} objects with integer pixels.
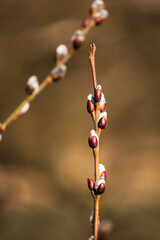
[{"x": 95, "y": 150}]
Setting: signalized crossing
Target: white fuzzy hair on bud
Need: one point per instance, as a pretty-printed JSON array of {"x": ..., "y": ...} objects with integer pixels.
[
  {"x": 91, "y": 218},
  {"x": 78, "y": 34},
  {"x": 33, "y": 82},
  {"x": 97, "y": 5},
  {"x": 91, "y": 98},
  {"x": 24, "y": 109},
  {"x": 98, "y": 182},
  {"x": 91, "y": 238},
  {"x": 93, "y": 133},
  {"x": 101, "y": 115},
  {"x": 103, "y": 14},
  {"x": 99, "y": 87},
  {"x": 103, "y": 100},
  {"x": 101, "y": 168},
  {"x": 61, "y": 51},
  {"x": 59, "y": 71}
]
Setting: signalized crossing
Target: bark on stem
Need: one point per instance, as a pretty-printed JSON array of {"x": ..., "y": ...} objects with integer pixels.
[{"x": 96, "y": 150}]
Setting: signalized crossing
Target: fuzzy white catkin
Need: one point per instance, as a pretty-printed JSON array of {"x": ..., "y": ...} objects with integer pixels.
[
  {"x": 101, "y": 168},
  {"x": 33, "y": 81},
  {"x": 97, "y": 5},
  {"x": 103, "y": 13},
  {"x": 24, "y": 109},
  {"x": 78, "y": 34},
  {"x": 59, "y": 70},
  {"x": 62, "y": 51}
]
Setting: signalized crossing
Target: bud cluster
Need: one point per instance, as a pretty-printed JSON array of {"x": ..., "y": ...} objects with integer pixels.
[
  {"x": 102, "y": 114},
  {"x": 98, "y": 11},
  {"x": 32, "y": 85},
  {"x": 98, "y": 187}
]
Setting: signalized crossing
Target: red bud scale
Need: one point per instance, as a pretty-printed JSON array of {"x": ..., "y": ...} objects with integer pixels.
[
  {"x": 90, "y": 184},
  {"x": 98, "y": 93}
]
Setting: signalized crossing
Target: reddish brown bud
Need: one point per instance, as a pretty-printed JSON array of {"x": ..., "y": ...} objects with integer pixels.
[
  {"x": 77, "y": 39},
  {"x": 101, "y": 188},
  {"x": 102, "y": 123},
  {"x": 29, "y": 89},
  {"x": 85, "y": 23},
  {"x": 93, "y": 141},
  {"x": 100, "y": 185},
  {"x": 98, "y": 93},
  {"x": 90, "y": 106},
  {"x": 90, "y": 184}
]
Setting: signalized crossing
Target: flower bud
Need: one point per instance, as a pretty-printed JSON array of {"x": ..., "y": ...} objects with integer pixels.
[
  {"x": 100, "y": 16},
  {"x": 85, "y": 23},
  {"x": 102, "y": 103},
  {"x": 24, "y": 109},
  {"x": 32, "y": 85},
  {"x": 90, "y": 184},
  {"x": 0, "y": 137},
  {"x": 59, "y": 72},
  {"x": 101, "y": 168},
  {"x": 102, "y": 120},
  {"x": 93, "y": 139},
  {"x": 100, "y": 185},
  {"x": 61, "y": 52},
  {"x": 77, "y": 39},
  {"x": 96, "y": 6},
  {"x": 98, "y": 93},
  {"x": 90, "y": 103}
]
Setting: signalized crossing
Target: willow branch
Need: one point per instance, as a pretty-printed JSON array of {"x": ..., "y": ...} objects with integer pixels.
[{"x": 48, "y": 80}]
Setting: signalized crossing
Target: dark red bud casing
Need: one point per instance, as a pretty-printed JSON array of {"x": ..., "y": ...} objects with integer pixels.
[
  {"x": 101, "y": 188},
  {"x": 29, "y": 89},
  {"x": 97, "y": 95},
  {"x": 90, "y": 184},
  {"x": 90, "y": 106},
  {"x": 93, "y": 142},
  {"x": 102, "y": 123}
]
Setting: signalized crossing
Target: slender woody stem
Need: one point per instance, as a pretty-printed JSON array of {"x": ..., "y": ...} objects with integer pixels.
[
  {"x": 95, "y": 150},
  {"x": 45, "y": 82}
]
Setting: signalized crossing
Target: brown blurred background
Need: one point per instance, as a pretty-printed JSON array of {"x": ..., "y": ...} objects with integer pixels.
[{"x": 44, "y": 156}]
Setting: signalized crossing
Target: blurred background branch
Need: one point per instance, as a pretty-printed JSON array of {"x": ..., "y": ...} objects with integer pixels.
[{"x": 43, "y": 175}]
